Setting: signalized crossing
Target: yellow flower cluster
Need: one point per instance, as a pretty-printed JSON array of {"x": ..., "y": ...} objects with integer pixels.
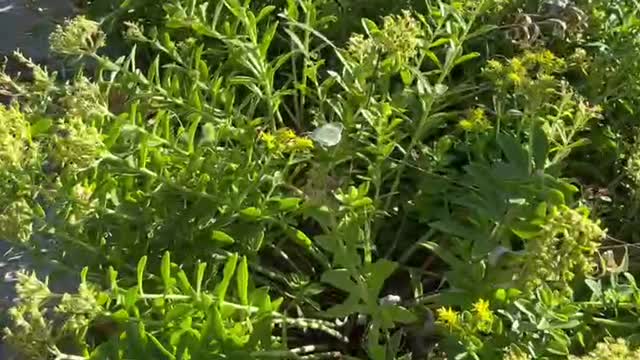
[
  {"x": 611, "y": 349},
  {"x": 476, "y": 122},
  {"x": 449, "y": 318},
  {"x": 398, "y": 38},
  {"x": 564, "y": 248},
  {"x": 84, "y": 99},
  {"x": 401, "y": 34},
  {"x": 77, "y": 143},
  {"x": 14, "y": 137},
  {"x": 79, "y": 36},
  {"x": 483, "y": 315},
  {"x": 516, "y": 354},
  {"x": 285, "y": 141},
  {"x": 528, "y": 70},
  {"x": 479, "y": 319},
  {"x": 16, "y": 221}
]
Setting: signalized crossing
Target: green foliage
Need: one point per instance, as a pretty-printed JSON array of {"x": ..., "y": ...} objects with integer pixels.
[{"x": 316, "y": 179}]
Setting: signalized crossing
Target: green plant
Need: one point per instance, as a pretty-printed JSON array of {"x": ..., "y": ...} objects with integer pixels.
[{"x": 365, "y": 174}]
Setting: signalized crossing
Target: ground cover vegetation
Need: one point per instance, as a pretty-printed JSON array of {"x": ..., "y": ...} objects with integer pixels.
[{"x": 308, "y": 179}]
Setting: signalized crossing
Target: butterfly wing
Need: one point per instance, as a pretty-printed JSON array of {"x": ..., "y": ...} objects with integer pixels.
[{"x": 328, "y": 135}]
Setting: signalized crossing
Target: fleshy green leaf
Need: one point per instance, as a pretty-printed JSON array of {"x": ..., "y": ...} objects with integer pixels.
[
  {"x": 242, "y": 279},
  {"x": 229, "y": 269},
  {"x": 140, "y": 273},
  {"x": 165, "y": 270},
  {"x": 222, "y": 237}
]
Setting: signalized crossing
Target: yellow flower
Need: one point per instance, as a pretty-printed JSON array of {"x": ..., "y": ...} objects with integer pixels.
[
  {"x": 494, "y": 66},
  {"x": 476, "y": 122},
  {"x": 516, "y": 79},
  {"x": 269, "y": 140},
  {"x": 301, "y": 144},
  {"x": 482, "y": 309},
  {"x": 448, "y": 317},
  {"x": 483, "y": 316},
  {"x": 286, "y": 141},
  {"x": 285, "y": 135}
]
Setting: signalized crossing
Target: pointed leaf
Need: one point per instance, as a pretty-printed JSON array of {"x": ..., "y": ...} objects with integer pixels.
[
  {"x": 165, "y": 270},
  {"x": 140, "y": 272},
  {"x": 229, "y": 269},
  {"x": 540, "y": 147},
  {"x": 377, "y": 273},
  {"x": 222, "y": 237},
  {"x": 242, "y": 280},
  {"x": 340, "y": 279},
  {"x": 465, "y": 58},
  {"x": 515, "y": 153}
]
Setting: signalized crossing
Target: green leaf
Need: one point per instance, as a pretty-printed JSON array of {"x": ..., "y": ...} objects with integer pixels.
[
  {"x": 443, "y": 254},
  {"x": 558, "y": 346},
  {"x": 288, "y": 204},
  {"x": 194, "y": 126},
  {"x": 251, "y": 212},
  {"x": 136, "y": 340},
  {"x": 229, "y": 269},
  {"x": 513, "y": 293},
  {"x": 374, "y": 349},
  {"x": 465, "y": 58},
  {"x": 131, "y": 296},
  {"x": 299, "y": 237},
  {"x": 121, "y": 316},
  {"x": 185, "y": 285},
  {"x": 540, "y": 147},
  {"x": 165, "y": 271},
  {"x": 566, "y": 325},
  {"x": 376, "y": 274},
  {"x": 370, "y": 27},
  {"x": 555, "y": 197},
  {"x": 482, "y": 30},
  {"x": 267, "y": 38},
  {"x": 222, "y": 237},
  {"x": 40, "y": 127},
  {"x": 457, "y": 228},
  {"x": 213, "y": 328},
  {"x": 439, "y": 42},
  {"x": 260, "y": 299},
  {"x": 161, "y": 347},
  {"x": 515, "y": 153},
  {"x": 200, "y": 276},
  {"x": 340, "y": 279},
  {"x": 264, "y": 12},
  {"x": 500, "y": 295},
  {"x": 140, "y": 272},
  {"x": 431, "y": 55},
  {"x": 400, "y": 315},
  {"x": 178, "y": 312},
  {"x": 348, "y": 307},
  {"x": 242, "y": 280},
  {"x": 525, "y": 230},
  {"x": 407, "y": 77}
]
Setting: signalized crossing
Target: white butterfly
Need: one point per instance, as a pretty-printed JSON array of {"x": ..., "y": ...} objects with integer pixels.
[{"x": 328, "y": 135}]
